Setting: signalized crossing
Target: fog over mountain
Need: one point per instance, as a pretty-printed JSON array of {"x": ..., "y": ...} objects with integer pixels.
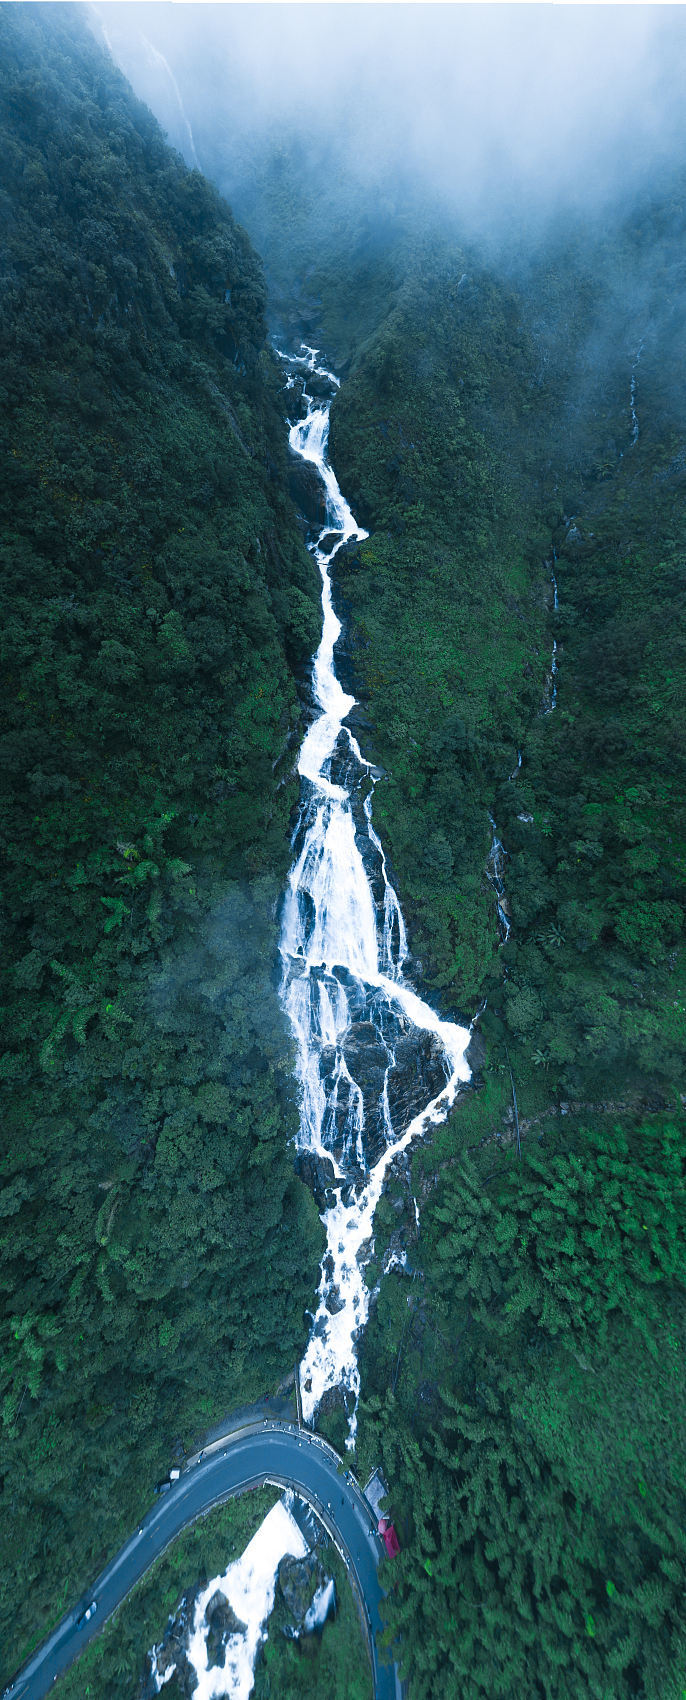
[{"x": 494, "y": 109}]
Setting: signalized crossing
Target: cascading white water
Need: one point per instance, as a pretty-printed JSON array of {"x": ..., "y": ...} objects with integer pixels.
[
  {"x": 494, "y": 872},
  {"x": 632, "y": 395},
  {"x": 550, "y": 701},
  {"x": 157, "y": 58},
  {"x": 375, "y": 1063}
]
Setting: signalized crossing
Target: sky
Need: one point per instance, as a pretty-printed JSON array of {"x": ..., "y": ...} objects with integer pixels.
[{"x": 543, "y": 106}]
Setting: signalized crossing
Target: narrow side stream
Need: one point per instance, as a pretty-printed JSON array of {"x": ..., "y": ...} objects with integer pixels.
[{"x": 376, "y": 1064}]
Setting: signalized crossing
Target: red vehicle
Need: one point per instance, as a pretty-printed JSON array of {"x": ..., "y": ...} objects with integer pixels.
[{"x": 389, "y": 1537}]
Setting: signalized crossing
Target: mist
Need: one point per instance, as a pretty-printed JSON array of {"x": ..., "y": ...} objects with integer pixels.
[{"x": 494, "y": 113}]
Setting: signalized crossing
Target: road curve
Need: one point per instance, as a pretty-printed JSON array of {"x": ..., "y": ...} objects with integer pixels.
[{"x": 264, "y": 1452}]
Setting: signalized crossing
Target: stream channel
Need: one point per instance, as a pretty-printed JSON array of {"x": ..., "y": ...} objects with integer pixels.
[{"x": 376, "y": 1064}]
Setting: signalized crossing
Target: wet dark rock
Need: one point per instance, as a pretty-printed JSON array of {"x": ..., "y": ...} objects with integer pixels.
[
  {"x": 334, "y": 1302},
  {"x": 476, "y": 1051},
  {"x": 307, "y": 492},
  {"x": 344, "y": 772},
  {"x": 333, "y": 1401},
  {"x": 321, "y": 388},
  {"x": 184, "y": 1676},
  {"x": 355, "y": 994},
  {"x": 222, "y": 1623},
  {"x": 349, "y": 555},
  {"x": 419, "y": 1075},
  {"x": 317, "y": 1173},
  {"x": 297, "y": 1582},
  {"x": 294, "y": 402},
  {"x": 366, "y": 1057},
  {"x": 358, "y": 719},
  {"x": 171, "y": 1650},
  {"x": 165, "y": 1657}
]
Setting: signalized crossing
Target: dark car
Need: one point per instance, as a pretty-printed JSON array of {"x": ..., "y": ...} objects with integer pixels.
[{"x": 87, "y": 1614}]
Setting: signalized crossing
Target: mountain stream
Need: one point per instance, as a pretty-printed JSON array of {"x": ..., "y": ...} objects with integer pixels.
[{"x": 376, "y": 1065}]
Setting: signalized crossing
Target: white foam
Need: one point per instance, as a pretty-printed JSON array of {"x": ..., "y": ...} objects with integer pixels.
[
  {"x": 249, "y": 1585},
  {"x": 331, "y": 924},
  {"x": 320, "y": 1607}
]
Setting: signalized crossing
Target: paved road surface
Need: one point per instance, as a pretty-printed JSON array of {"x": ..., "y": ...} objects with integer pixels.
[{"x": 274, "y": 1452}]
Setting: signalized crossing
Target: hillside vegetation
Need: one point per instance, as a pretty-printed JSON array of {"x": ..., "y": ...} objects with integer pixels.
[
  {"x": 525, "y": 1387},
  {"x": 511, "y": 431},
  {"x": 158, "y": 1251}
]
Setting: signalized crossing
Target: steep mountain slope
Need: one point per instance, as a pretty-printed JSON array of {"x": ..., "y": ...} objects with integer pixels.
[
  {"x": 515, "y": 445},
  {"x": 158, "y": 1251},
  {"x": 511, "y": 431}
]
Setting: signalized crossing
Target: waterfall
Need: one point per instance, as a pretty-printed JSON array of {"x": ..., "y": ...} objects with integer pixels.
[
  {"x": 632, "y": 395},
  {"x": 157, "y": 58},
  {"x": 494, "y": 872},
  {"x": 550, "y": 699},
  {"x": 376, "y": 1065}
]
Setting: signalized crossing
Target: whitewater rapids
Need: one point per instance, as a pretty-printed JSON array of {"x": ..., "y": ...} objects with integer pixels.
[{"x": 376, "y": 1065}]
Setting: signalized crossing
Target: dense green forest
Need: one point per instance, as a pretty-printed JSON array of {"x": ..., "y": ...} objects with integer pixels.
[
  {"x": 526, "y": 1393},
  {"x": 158, "y": 1251},
  {"x": 523, "y": 1378},
  {"x": 526, "y": 1387},
  {"x": 461, "y": 436}
]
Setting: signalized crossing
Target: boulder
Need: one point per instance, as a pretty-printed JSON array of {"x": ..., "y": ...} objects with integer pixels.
[
  {"x": 308, "y": 493},
  {"x": 419, "y": 1075},
  {"x": 165, "y": 1656},
  {"x": 222, "y": 1623},
  {"x": 333, "y": 1401},
  {"x": 298, "y": 1580},
  {"x": 333, "y": 1301},
  {"x": 476, "y": 1051},
  {"x": 318, "y": 1174}
]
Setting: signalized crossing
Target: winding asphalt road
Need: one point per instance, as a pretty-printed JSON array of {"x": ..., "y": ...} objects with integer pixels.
[{"x": 265, "y": 1452}]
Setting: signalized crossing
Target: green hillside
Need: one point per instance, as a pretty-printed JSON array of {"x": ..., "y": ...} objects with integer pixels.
[
  {"x": 525, "y": 1389},
  {"x": 511, "y": 430},
  {"x": 158, "y": 1251}
]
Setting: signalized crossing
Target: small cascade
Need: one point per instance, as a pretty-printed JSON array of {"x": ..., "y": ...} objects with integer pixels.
[
  {"x": 494, "y": 872},
  {"x": 553, "y": 681},
  {"x": 632, "y": 394},
  {"x": 376, "y": 1065},
  {"x": 550, "y": 694},
  {"x": 633, "y": 385},
  {"x": 157, "y": 58}
]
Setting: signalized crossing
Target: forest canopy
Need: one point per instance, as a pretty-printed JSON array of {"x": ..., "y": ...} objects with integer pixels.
[{"x": 158, "y": 1251}]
